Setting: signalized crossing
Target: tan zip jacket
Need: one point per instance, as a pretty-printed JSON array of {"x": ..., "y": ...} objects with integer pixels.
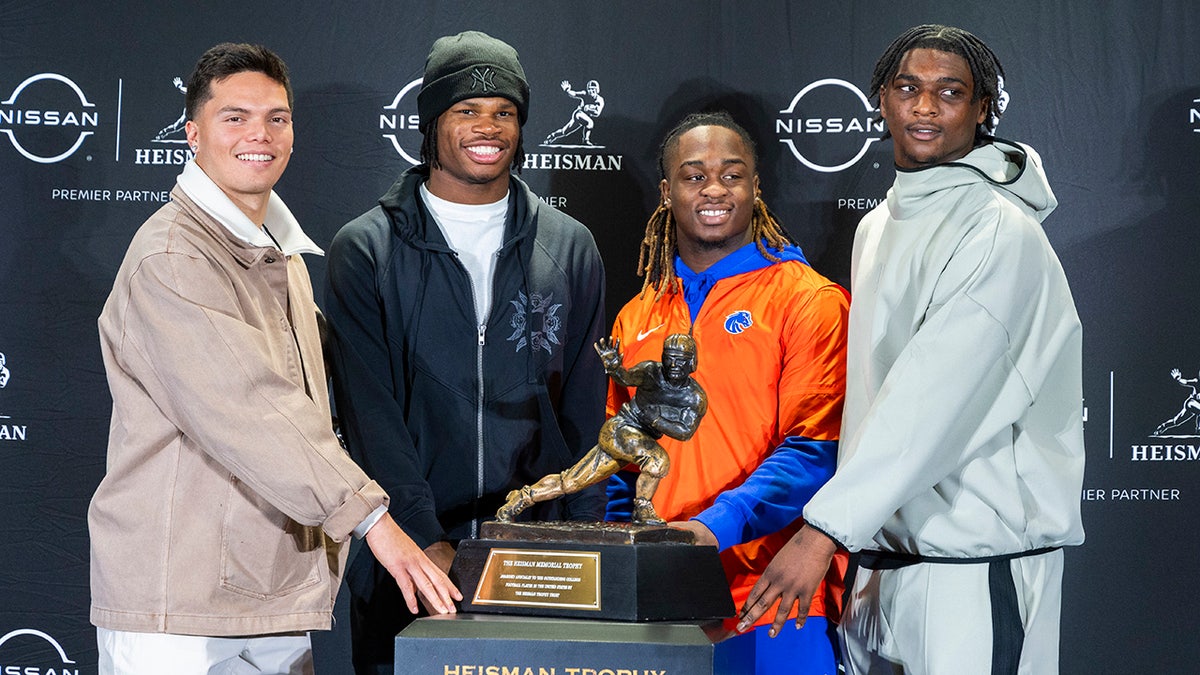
[{"x": 228, "y": 499}]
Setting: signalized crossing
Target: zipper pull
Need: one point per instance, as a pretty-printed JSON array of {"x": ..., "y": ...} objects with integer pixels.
[{"x": 482, "y": 329}]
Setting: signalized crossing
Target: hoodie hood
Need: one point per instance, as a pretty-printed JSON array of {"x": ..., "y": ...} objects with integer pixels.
[{"x": 1013, "y": 168}]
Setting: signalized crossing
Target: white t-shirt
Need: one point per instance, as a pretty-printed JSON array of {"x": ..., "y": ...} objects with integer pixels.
[{"x": 475, "y": 232}]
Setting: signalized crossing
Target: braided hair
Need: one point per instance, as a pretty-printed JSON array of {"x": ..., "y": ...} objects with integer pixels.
[
  {"x": 656, "y": 259},
  {"x": 986, "y": 70}
]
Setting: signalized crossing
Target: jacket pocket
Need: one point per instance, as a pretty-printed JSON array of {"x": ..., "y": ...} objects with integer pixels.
[{"x": 265, "y": 554}]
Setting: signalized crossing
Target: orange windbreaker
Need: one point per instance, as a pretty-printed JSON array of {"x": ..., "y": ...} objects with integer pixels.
[{"x": 781, "y": 375}]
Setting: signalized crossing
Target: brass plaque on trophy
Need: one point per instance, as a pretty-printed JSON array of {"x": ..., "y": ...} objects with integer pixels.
[
  {"x": 540, "y": 578},
  {"x": 585, "y": 570}
]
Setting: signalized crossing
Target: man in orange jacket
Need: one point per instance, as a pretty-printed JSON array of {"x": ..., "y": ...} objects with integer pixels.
[{"x": 771, "y": 339}]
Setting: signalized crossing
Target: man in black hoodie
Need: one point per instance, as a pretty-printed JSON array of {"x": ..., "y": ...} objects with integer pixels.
[{"x": 464, "y": 311}]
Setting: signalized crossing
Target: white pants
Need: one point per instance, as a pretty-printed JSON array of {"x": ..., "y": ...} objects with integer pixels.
[
  {"x": 128, "y": 653},
  {"x": 938, "y": 619}
]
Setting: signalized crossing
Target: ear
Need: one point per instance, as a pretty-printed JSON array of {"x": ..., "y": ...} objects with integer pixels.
[
  {"x": 193, "y": 132},
  {"x": 985, "y": 107},
  {"x": 664, "y": 189}
]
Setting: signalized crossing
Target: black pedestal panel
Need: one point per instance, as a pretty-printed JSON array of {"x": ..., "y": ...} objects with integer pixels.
[{"x": 478, "y": 644}]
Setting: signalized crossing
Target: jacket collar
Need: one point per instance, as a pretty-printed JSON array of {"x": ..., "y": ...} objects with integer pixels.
[
  {"x": 412, "y": 222},
  {"x": 283, "y": 226},
  {"x": 1009, "y": 167}
]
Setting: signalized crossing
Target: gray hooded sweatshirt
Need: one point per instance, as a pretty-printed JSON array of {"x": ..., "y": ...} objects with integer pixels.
[{"x": 962, "y": 435}]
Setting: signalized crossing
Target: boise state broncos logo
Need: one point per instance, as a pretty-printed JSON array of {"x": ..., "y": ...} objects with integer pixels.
[{"x": 738, "y": 322}]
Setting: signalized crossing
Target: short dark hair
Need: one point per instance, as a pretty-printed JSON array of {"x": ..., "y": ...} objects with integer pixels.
[
  {"x": 229, "y": 58},
  {"x": 986, "y": 70}
]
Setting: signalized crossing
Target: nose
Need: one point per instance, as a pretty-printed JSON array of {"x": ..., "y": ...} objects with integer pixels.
[
  {"x": 487, "y": 124},
  {"x": 713, "y": 188},
  {"x": 926, "y": 103},
  {"x": 259, "y": 130}
]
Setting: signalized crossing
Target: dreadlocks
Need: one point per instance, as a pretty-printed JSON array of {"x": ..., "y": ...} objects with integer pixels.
[
  {"x": 985, "y": 67},
  {"x": 656, "y": 260},
  {"x": 429, "y": 148}
]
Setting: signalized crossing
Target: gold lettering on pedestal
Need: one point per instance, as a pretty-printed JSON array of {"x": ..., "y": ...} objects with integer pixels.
[{"x": 535, "y": 578}]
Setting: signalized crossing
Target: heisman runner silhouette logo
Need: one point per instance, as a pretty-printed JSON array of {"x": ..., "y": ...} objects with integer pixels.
[
  {"x": 174, "y": 129},
  {"x": 536, "y": 316},
  {"x": 173, "y": 134},
  {"x": 8, "y": 431},
  {"x": 583, "y": 118},
  {"x": 1189, "y": 411}
]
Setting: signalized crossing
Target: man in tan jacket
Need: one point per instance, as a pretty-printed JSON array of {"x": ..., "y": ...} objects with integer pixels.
[{"x": 218, "y": 533}]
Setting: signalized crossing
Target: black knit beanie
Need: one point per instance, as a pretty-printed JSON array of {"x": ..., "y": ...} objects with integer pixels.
[{"x": 469, "y": 65}]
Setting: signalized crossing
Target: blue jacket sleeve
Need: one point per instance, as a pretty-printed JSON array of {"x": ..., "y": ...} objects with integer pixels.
[{"x": 773, "y": 495}]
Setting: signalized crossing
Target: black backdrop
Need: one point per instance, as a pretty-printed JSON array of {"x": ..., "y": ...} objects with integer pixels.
[{"x": 1109, "y": 92}]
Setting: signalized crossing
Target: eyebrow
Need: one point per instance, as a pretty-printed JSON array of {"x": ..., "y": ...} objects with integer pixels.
[
  {"x": 247, "y": 111},
  {"x": 941, "y": 80},
  {"x": 724, "y": 162}
]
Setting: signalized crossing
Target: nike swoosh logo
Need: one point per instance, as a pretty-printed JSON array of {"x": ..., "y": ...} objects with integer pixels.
[{"x": 643, "y": 334}]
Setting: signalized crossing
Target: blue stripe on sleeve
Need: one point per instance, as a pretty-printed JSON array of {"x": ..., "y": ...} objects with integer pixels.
[{"x": 774, "y": 495}]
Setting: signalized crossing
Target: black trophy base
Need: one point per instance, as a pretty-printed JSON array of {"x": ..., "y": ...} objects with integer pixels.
[{"x": 609, "y": 571}]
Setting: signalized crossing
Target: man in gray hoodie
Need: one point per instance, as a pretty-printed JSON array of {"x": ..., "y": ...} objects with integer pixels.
[{"x": 961, "y": 463}]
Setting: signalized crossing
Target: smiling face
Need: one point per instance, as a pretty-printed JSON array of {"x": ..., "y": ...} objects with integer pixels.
[
  {"x": 928, "y": 108},
  {"x": 243, "y": 136},
  {"x": 710, "y": 186},
  {"x": 476, "y": 141}
]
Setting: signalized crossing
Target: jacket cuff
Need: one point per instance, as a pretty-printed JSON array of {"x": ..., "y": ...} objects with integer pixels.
[
  {"x": 365, "y": 526},
  {"x": 843, "y": 540},
  {"x": 725, "y": 522},
  {"x": 341, "y": 523}
]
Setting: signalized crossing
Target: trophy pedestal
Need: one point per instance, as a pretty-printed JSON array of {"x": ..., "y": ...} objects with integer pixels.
[
  {"x": 608, "y": 571},
  {"x": 479, "y": 643}
]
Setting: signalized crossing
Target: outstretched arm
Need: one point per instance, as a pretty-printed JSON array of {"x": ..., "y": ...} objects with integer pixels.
[{"x": 609, "y": 350}]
